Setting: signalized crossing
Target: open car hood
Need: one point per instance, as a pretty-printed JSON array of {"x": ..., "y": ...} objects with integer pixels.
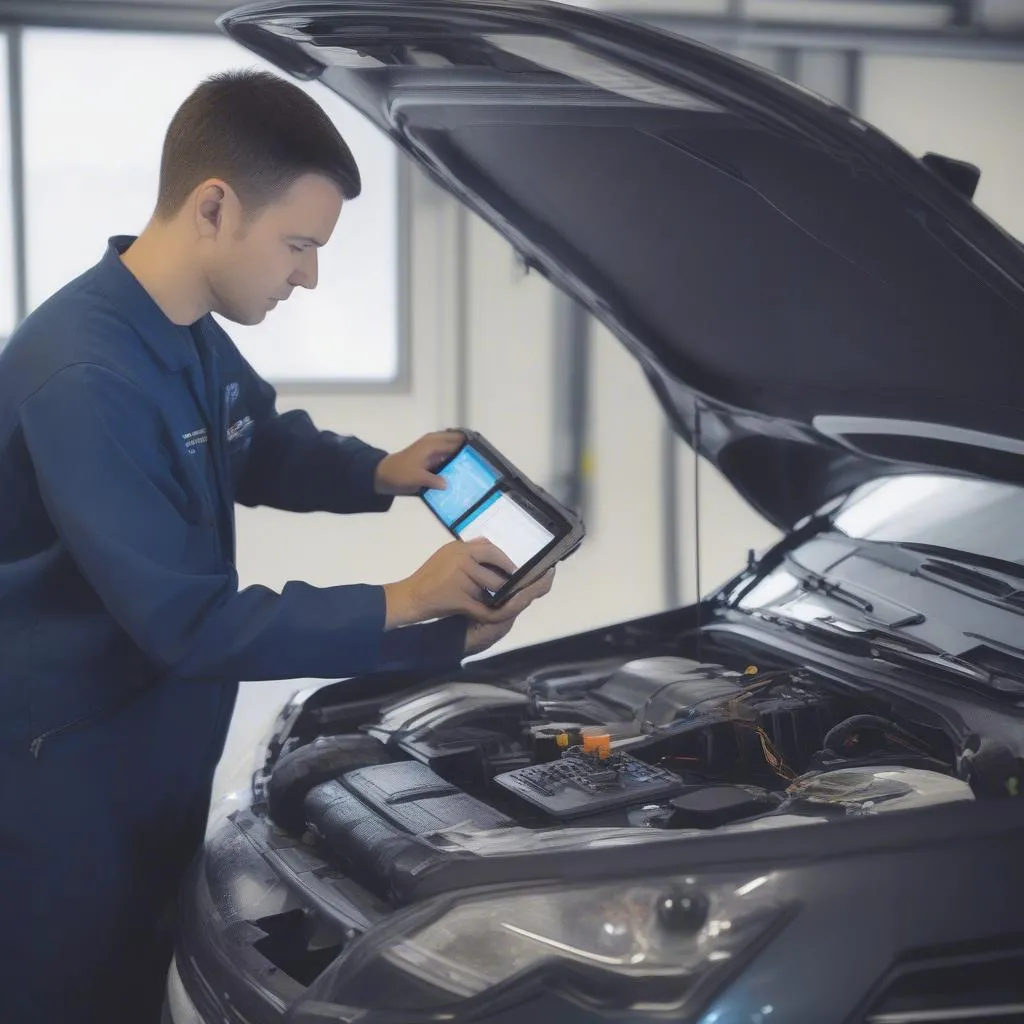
[{"x": 814, "y": 306}]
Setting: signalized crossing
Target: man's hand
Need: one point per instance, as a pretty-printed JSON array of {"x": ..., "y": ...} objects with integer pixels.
[
  {"x": 411, "y": 469},
  {"x": 451, "y": 582},
  {"x": 482, "y": 635}
]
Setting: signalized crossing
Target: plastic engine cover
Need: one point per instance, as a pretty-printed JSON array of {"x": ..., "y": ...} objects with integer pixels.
[{"x": 657, "y": 691}]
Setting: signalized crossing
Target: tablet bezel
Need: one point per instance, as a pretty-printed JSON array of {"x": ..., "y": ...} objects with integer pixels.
[{"x": 518, "y": 489}]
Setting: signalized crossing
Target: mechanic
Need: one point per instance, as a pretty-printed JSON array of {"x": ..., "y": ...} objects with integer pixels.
[{"x": 129, "y": 427}]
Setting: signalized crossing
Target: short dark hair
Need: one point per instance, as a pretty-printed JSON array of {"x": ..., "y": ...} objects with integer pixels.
[{"x": 257, "y": 132}]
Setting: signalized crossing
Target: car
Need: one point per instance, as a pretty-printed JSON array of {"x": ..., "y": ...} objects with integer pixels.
[{"x": 797, "y": 799}]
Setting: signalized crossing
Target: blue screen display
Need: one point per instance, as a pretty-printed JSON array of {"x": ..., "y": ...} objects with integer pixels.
[{"x": 469, "y": 478}]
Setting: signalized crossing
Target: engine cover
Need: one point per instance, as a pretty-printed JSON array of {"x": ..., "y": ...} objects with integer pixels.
[
  {"x": 461, "y": 726},
  {"x": 658, "y": 691},
  {"x": 648, "y": 693}
]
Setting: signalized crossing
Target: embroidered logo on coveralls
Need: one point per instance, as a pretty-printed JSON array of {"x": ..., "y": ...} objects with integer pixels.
[
  {"x": 194, "y": 438},
  {"x": 240, "y": 429}
]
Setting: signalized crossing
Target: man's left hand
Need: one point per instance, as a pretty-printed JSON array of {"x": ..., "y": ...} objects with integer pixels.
[
  {"x": 412, "y": 469},
  {"x": 480, "y": 636}
]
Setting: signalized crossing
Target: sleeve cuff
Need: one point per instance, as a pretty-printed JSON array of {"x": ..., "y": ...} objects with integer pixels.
[
  {"x": 433, "y": 647},
  {"x": 360, "y": 484},
  {"x": 365, "y": 471}
]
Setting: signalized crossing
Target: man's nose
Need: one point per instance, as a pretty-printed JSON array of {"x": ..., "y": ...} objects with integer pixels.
[{"x": 307, "y": 273}]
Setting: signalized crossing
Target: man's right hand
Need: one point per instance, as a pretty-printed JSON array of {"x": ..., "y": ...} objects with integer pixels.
[{"x": 451, "y": 582}]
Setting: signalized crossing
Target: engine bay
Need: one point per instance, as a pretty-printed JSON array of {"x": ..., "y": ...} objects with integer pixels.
[
  {"x": 604, "y": 749},
  {"x": 590, "y": 741}
]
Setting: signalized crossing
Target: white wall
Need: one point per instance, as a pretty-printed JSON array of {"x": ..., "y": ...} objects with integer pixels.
[{"x": 963, "y": 109}]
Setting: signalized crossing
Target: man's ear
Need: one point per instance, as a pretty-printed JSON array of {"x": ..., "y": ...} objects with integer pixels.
[{"x": 212, "y": 198}]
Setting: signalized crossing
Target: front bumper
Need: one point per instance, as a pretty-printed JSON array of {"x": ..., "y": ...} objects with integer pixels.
[{"x": 873, "y": 894}]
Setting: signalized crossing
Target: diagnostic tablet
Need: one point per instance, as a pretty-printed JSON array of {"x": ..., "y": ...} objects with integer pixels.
[{"x": 489, "y": 497}]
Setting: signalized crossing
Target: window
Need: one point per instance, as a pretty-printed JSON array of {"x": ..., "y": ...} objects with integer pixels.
[
  {"x": 8, "y": 304},
  {"x": 97, "y": 105}
]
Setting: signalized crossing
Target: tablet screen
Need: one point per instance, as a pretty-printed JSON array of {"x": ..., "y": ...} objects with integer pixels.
[
  {"x": 507, "y": 525},
  {"x": 470, "y": 476}
]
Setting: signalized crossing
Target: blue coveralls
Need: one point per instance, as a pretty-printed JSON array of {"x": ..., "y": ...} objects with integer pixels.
[{"x": 124, "y": 443}]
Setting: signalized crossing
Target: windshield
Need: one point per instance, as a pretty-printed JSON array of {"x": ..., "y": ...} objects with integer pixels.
[{"x": 976, "y": 517}]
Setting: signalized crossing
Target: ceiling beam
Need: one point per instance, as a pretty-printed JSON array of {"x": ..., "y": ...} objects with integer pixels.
[
  {"x": 155, "y": 16},
  {"x": 971, "y": 43}
]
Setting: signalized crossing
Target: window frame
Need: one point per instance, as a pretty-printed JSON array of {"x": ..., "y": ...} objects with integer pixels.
[
  {"x": 182, "y": 20},
  {"x": 10, "y": 40}
]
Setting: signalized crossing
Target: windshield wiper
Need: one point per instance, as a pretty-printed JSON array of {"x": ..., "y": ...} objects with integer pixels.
[
  {"x": 896, "y": 648},
  {"x": 1006, "y": 683},
  {"x": 816, "y": 583},
  {"x": 921, "y": 652},
  {"x": 996, "y": 579},
  {"x": 878, "y": 610},
  {"x": 968, "y": 559}
]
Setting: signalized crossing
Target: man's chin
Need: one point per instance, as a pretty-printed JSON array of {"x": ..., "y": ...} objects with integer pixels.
[{"x": 244, "y": 319}]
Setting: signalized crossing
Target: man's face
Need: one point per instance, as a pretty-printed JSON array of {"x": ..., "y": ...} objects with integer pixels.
[{"x": 254, "y": 262}]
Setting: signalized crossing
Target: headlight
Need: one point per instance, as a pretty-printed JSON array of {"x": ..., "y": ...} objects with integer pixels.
[{"x": 654, "y": 944}]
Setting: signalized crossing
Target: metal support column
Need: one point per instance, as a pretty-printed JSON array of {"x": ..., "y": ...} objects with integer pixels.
[
  {"x": 852, "y": 86},
  {"x": 570, "y": 448},
  {"x": 462, "y": 327},
  {"x": 672, "y": 510},
  {"x": 17, "y": 131}
]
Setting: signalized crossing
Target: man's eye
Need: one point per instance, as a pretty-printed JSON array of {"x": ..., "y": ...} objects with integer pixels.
[{"x": 295, "y": 248}]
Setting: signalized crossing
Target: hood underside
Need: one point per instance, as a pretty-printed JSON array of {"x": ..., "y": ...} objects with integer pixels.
[{"x": 814, "y": 306}]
